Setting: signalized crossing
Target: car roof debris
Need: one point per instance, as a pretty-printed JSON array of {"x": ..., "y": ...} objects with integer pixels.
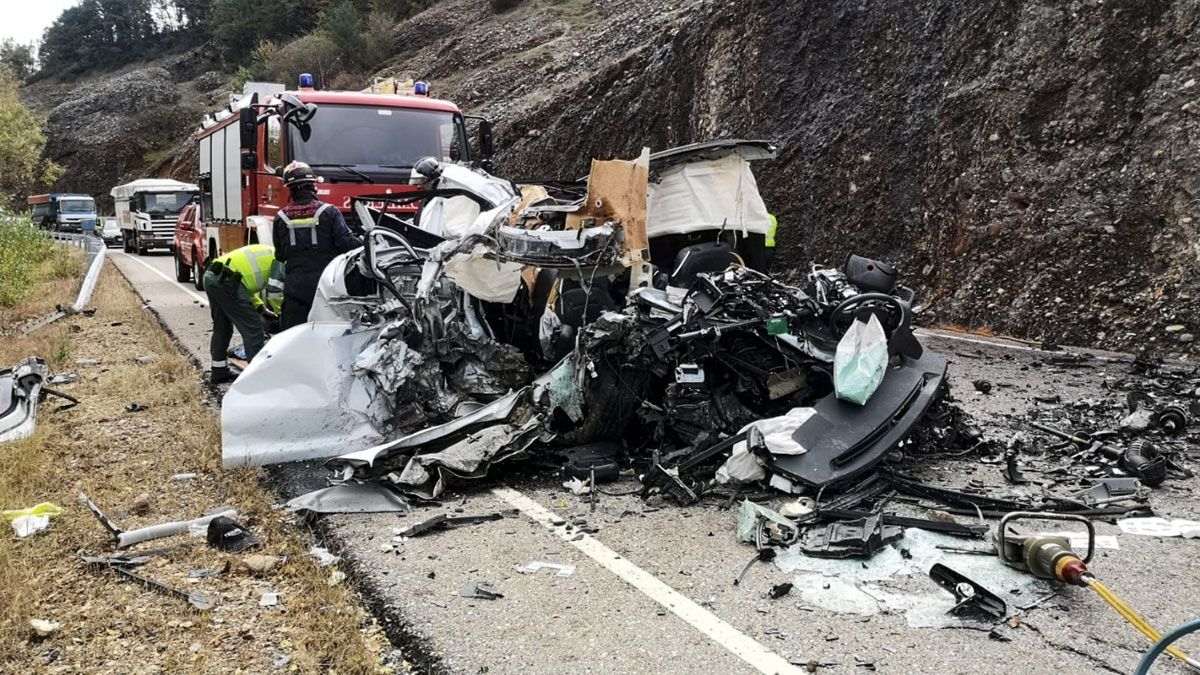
[{"x": 22, "y": 388}]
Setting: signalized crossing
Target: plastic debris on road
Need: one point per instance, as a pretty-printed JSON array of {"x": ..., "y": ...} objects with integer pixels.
[
  {"x": 1160, "y": 527},
  {"x": 854, "y": 586},
  {"x": 560, "y": 570}
]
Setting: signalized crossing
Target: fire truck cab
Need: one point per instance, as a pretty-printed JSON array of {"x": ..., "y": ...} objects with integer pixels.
[{"x": 358, "y": 143}]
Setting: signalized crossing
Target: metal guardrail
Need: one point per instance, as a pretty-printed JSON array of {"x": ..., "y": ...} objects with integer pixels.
[{"x": 96, "y": 253}]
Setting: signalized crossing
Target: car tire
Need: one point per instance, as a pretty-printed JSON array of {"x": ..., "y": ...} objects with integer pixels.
[
  {"x": 183, "y": 274},
  {"x": 125, "y": 245},
  {"x": 197, "y": 273}
]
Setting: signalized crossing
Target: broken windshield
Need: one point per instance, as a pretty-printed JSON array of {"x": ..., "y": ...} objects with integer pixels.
[{"x": 377, "y": 140}]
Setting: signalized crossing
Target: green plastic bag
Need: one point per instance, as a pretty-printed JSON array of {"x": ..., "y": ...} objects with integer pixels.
[{"x": 861, "y": 361}]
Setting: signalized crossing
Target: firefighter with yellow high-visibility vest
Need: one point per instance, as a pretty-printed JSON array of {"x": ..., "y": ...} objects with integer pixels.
[{"x": 235, "y": 284}]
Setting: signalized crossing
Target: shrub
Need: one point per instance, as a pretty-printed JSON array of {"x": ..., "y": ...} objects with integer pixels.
[
  {"x": 23, "y": 248},
  {"x": 381, "y": 38},
  {"x": 313, "y": 53}
]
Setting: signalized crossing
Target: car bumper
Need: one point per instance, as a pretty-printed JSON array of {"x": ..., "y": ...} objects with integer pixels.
[{"x": 151, "y": 240}]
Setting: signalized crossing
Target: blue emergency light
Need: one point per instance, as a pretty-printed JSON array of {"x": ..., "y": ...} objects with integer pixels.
[
  {"x": 421, "y": 88},
  {"x": 306, "y": 81}
]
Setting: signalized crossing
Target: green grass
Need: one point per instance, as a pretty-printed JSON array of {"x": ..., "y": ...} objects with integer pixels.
[{"x": 23, "y": 252}]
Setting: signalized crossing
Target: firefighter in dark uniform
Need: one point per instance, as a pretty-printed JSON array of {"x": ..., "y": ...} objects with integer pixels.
[{"x": 308, "y": 234}]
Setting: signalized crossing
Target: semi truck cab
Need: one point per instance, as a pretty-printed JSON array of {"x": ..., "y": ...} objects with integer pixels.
[
  {"x": 63, "y": 212},
  {"x": 147, "y": 210}
]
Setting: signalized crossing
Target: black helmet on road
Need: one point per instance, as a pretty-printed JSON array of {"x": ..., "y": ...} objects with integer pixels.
[{"x": 297, "y": 174}]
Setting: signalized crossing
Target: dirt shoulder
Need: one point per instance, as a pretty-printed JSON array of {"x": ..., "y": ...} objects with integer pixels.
[{"x": 115, "y": 451}]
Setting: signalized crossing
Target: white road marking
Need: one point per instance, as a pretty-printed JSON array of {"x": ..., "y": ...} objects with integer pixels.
[
  {"x": 738, "y": 643},
  {"x": 202, "y": 300}
]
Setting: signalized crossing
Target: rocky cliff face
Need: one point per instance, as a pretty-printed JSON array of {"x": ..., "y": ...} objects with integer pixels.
[
  {"x": 115, "y": 128},
  {"x": 1032, "y": 166}
]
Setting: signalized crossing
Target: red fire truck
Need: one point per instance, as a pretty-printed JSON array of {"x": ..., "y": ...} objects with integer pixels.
[{"x": 359, "y": 143}]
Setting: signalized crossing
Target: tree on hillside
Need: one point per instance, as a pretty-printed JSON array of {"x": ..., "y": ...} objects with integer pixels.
[
  {"x": 189, "y": 14},
  {"x": 343, "y": 25},
  {"x": 21, "y": 143},
  {"x": 74, "y": 42},
  {"x": 238, "y": 26},
  {"x": 18, "y": 58},
  {"x": 106, "y": 34}
]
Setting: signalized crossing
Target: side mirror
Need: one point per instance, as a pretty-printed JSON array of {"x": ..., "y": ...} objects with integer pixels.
[
  {"x": 249, "y": 160},
  {"x": 305, "y": 130},
  {"x": 306, "y": 113},
  {"x": 486, "y": 147},
  {"x": 248, "y": 128}
]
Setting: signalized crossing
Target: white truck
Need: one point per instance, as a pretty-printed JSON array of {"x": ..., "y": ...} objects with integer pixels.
[{"x": 147, "y": 210}]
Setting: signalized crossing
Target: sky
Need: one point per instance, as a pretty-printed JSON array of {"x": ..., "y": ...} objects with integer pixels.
[{"x": 24, "y": 20}]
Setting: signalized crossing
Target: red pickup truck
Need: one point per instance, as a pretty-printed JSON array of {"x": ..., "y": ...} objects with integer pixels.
[{"x": 190, "y": 254}]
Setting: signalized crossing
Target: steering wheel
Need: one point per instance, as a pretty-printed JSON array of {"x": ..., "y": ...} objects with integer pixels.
[{"x": 891, "y": 312}]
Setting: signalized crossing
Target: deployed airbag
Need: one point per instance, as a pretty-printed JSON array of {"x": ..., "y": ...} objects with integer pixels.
[{"x": 711, "y": 195}]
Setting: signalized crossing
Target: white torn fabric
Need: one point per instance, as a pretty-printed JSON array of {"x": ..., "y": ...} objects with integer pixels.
[
  {"x": 329, "y": 411},
  {"x": 709, "y": 195},
  {"x": 777, "y": 431},
  {"x": 449, "y": 217},
  {"x": 488, "y": 280},
  {"x": 744, "y": 467},
  {"x": 27, "y": 525},
  {"x": 741, "y": 467}
]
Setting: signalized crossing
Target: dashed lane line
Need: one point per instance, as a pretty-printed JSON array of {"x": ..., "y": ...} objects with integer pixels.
[{"x": 736, "y": 642}]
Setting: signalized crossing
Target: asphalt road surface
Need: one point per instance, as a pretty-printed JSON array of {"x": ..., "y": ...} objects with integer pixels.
[{"x": 652, "y": 592}]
